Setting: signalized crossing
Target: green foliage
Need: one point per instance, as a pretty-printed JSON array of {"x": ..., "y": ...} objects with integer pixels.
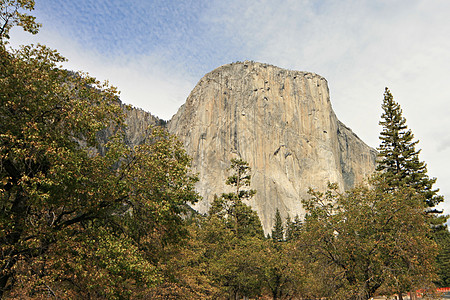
[
  {"x": 98, "y": 263},
  {"x": 233, "y": 239},
  {"x": 399, "y": 164},
  {"x": 371, "y": 239},
  {"x": 240, "y": 179},
  {"x": 79, "y": 222},
  {"x": 56, "y": 190},
  {"x": 47, "y": 179},
  {"x": 442, "y": 238},
  {"x": 293, "y": 228},
  {"x": 278, "y": 230},
  {"x": 159, "y": 187},
  {"x": 238, "y": 216},
  {"x": 284, "y": 270},
  {"x": 185, "y": 271},
  {"x": 12, "y": 14},
  {"x": 398, "y": 160},
  {"x": 238, "y": 271}
]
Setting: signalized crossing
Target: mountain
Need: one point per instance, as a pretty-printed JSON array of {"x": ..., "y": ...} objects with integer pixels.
[{"x": 281, "y": 122}]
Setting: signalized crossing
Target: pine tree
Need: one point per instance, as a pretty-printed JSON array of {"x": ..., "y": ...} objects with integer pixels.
[
  {"x": 240, "y": 180},
  {"x": 240, "y": 217},
  {"x": 293, "y": 228},
  {"x": 398, "y": 159},
  {"x": 399, "y": 165},
  {"x": 234, "y": 238},
  {"x": 278, "y": 230},
  {"x": 297, "y": 225},
  {"x": 288, "y": 229}
]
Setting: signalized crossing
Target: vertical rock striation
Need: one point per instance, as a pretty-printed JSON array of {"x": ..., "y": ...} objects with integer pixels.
[{"x": 279, "y": 121}]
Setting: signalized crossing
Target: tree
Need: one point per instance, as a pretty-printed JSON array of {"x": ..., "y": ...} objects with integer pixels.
[
  {"x": 234, "y": 263},
  {"x": 11, "y": 14},
  {"x": 240, "y": 270},
  {"x": 278, "y": 231},
  {"x": 240, "y": 180},
  {"x": 399, "y": 164},
  {"x": 72, "y": 220},
  {"x": 186, "y": 271},
  {"x": 41, "y": 120},
  {"x": 442, "y": 238},
  {"x": 293, "y": 228},
  {"x": 243, "y": 220},
  {"x": 234, "y": 238},
  {"x": 284, "y": 270},
  {"x": 369, "y": 240},
  {"x": 398, "y": 160}
]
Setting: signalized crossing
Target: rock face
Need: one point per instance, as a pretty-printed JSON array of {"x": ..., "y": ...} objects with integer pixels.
[
  {"x": 138, "y": 121},
  {"x": 281, "y": 122}
]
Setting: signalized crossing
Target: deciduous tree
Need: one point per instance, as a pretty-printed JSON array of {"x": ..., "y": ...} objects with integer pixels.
[
  {"x": 372, "y": 239},
  {"x": 64, "y": 207},
  {"x": 13, "y": 13}
]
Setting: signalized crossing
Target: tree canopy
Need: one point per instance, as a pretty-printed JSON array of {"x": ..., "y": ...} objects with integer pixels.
[
  {"x": 372, "y": 240},
  {"x": 70, "y": 217}
]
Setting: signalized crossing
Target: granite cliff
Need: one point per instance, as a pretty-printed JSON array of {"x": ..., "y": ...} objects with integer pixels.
[
  {"x": 282, "y": 123},
  {"x": 137, "y": 123}
]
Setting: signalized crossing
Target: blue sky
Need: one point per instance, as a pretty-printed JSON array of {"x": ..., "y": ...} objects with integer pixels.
[{"x": 156, "y": 51}]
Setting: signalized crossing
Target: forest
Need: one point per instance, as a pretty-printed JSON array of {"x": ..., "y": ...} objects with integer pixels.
[{"x": 84, "y": 218}]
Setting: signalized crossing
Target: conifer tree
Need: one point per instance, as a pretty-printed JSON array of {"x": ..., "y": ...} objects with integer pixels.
[
  {"x": 230, "y": 206},
  {"x": 398, "y": 159},
  {"x": 399, "y": 165},
  {"x": 240, "y": 180},
  {"x": 288, "y": 229},
  {"x": 234, "y": 238},
  {"x": 278, "y": 230},
  {"x": 293, "y": 228},
  {"x": 442, "y": 238}
]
